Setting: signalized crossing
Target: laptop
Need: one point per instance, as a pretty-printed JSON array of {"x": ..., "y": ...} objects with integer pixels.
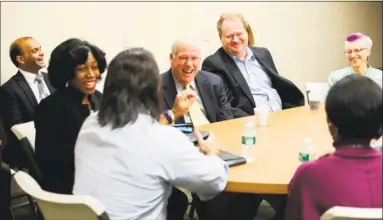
[{"x": 229, "y": 158}]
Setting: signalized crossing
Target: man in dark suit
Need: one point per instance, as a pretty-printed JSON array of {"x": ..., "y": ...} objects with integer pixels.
[
  {"x": 209, "y": 88},
  {"x": 210, "y": 92},
  {"x": 212, "y": 102},
  {"x": 21, "y": 94},
  {"x": 249, "y": 73}
]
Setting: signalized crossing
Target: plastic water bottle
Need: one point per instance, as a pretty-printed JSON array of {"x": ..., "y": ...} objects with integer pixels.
[
  {"x": 248, "y": 140},
  {"x": 308, "y": 152}
]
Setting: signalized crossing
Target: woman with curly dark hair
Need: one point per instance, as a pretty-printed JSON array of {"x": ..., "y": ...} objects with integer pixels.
[{"x": 75, "y": 67}]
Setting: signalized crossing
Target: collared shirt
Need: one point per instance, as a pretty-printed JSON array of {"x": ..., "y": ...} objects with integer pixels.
[
  {"x": 372, "y": 73},
  {"x": 349, "y": 177},
  {"x": 131, "y": 169},
  {"x": 180, "y": 88},
  {"x": 31, "y": 79},
  {"x": 259, "y": 82}
]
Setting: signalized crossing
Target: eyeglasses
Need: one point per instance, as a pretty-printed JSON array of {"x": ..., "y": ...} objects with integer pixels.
[
  {"x": 231, "y": 36},
  {"x": 357, "y": 51}
]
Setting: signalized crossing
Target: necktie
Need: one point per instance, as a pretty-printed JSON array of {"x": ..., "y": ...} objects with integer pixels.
[
  {"x": 195, "y": 112},
  {"x": 40, "y": 83}
]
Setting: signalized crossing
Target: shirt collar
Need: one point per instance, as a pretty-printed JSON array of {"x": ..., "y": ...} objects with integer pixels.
[
  {"x": 249, "y": 55},
  {"x": 180, "y": 86},
  {"x": 357, "y": 152},
  {"x": 30, "y": 77}
]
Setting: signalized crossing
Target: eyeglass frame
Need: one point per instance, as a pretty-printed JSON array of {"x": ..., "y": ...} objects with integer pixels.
[{"x": 357, "y": 51}]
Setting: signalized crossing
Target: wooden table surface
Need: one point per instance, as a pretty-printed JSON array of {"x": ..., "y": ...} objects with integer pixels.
[{"x": 276, "y": 150}]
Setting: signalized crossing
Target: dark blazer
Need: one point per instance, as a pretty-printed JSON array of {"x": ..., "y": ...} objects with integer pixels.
[
  {"x": 18, "y": 104},
  {"x": 349, "y": 177},
  {"x": 3, "y": 137},
  {"x": 211, "y": 91},
  {"x": 18, "y": 101},
  {"x": 237, "y": 89},
  {"x": 58, "y": 120}
]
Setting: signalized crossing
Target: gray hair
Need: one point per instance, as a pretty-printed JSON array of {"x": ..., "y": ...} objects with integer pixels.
[
  {"x": 366, "y": 40},
  {"x": 184, "y": 40}
]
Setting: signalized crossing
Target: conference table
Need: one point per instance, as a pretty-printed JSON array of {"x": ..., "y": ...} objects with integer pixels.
[{"x": 276, "y": 150}]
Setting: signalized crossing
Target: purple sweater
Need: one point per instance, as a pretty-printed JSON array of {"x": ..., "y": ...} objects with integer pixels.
[{"x": 349, "y": 177}]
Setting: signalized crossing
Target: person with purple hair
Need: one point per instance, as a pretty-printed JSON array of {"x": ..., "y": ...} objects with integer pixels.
[{"x": 357, "y": 50}]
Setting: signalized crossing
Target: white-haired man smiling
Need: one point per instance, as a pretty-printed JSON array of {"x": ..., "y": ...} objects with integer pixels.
[{"x": 357, "y": 50}]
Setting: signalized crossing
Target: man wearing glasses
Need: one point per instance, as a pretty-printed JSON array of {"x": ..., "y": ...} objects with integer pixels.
[
  {"x": 357, "y": 50},
  {"x": 249, "y": 73}
]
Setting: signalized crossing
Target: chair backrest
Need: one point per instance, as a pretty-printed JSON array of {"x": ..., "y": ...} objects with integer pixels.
[
  {"x": 316, "y": 91},
  {"x": 25, "y": 130},
  {"x": 55, "y": 206},
  {"x": 351, "y": 213},
  {"x": 26, "y": 133}
]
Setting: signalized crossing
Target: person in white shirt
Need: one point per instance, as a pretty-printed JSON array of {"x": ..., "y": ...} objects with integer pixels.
[
  {"x": 21, "y": 94},
  {"x": 129, "y": 161}
]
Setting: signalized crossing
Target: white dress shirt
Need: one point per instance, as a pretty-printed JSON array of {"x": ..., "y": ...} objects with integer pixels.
[
  {"x": 131, "y": 170},
  {"x": 180, "y": 88},
  {"x": 30, "y": 77}
]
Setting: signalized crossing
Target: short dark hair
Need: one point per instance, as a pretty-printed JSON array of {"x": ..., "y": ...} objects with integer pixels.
[
  {"x": 69, "y": 54},
  {"x": 15, "y": 49},
  {"x": 354, "y": 106},
  {"x": 132, "y": 86}
]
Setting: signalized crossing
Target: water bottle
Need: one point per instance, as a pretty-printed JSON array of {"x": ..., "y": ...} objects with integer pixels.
[
  {"x": 248, "y": 140},
  {"x": 308, "y": 152}
]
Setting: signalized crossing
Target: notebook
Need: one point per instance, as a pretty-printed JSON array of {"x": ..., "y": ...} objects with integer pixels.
[{"x": 229, "y": 158}]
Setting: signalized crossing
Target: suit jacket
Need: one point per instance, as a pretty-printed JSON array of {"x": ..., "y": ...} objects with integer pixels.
[
  {"x": 58, "y": 120},
  {"x": 3, "y": 138},
  {"x": 349, "y": 177},
  {"x": 211, "y": 92},
  {"x": 18, "y": 104},
  {"x": 237, "y": 89}
]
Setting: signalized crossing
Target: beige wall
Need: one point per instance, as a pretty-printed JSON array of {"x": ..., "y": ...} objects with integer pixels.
[{"x": 305, "y": 38}]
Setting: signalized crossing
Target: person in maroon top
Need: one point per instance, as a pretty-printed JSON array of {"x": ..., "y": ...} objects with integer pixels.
[{"x": 352, "y": 175}]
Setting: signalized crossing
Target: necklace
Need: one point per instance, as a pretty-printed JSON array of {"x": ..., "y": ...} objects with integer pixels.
[{"x": 350, "y": 71}]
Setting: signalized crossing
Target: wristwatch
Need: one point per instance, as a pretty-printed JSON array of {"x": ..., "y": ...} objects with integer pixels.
[{"x": 169, "y": 115}]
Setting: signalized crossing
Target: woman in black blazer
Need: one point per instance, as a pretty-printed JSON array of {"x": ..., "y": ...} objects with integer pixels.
[{"x": 74, "y": 69}]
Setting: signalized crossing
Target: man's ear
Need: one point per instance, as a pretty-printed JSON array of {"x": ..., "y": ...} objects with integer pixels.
[
  {"x": 171, "y": 57},
  {"x": 20, "y": 59}
]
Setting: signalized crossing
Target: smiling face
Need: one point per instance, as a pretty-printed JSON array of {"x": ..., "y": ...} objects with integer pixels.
[
  {"x": 357, "y": 53},
  {"x": 87, "y": 75},
  {"x": 32, "y": 57},
  {"x": 234, "y": 37},
  {"x": 185, "y": 62}
]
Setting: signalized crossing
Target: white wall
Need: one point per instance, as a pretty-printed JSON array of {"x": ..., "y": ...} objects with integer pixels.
[{"x": 305, "y": 38}]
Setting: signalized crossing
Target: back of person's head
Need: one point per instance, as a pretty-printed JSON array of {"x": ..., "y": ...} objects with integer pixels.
[
  {"x": 132, "y": 86},
  {"x": 354, "y": 110},
  {"x": 67, "y": 56}
]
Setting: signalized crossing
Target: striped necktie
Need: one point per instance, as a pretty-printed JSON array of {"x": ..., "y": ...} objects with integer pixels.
[{"x": 195, "y": 111}]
